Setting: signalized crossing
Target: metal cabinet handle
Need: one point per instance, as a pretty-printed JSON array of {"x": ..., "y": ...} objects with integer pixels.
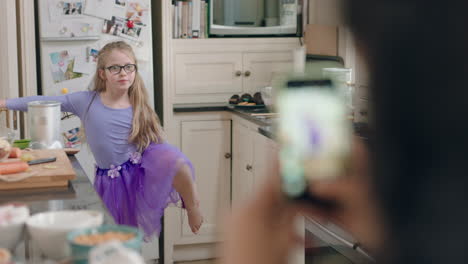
[
  {"x": 247, "y": 73},
  {"x": 227, "y": 155},
  {"x": 238, "y": 73},
  {"x": 248, "y": 167}
]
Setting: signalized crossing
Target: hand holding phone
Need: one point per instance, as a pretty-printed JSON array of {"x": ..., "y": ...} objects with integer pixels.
[{"x": 314, "y": 136}]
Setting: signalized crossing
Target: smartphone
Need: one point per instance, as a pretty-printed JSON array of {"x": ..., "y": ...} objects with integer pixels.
[{"x": 314, "y": 134}]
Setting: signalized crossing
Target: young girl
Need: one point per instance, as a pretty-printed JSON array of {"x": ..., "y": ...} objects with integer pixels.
[{"x": 138, "y": 173}]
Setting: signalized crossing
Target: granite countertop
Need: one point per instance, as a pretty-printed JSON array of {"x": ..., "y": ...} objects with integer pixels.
[
  {"x": 266, "y": 125},
  {"x": 209, "y": 107}
]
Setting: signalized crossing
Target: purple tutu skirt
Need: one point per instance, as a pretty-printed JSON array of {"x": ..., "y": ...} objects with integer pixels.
[{"x": 137, "y": 192}]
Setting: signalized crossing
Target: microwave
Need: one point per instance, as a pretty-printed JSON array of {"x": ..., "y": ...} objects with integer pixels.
[{"x": 254, "y": 18}]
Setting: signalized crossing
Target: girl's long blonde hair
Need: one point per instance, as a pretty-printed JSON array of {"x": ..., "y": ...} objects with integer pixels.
[{"x": 146, "y": 127}]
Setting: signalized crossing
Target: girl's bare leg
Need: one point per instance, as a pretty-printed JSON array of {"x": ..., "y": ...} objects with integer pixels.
[{"x": 185, "y": 186}]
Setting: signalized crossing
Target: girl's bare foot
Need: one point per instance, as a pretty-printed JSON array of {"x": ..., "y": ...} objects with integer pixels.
[{"x": 195, "y": 218}]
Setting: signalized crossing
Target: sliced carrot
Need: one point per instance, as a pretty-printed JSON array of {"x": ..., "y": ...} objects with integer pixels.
[
  {"x": 15, "y": 153},
  {"x": 13, "y": 167}
]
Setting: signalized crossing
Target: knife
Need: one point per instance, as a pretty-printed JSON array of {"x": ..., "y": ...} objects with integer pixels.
[{"x": 39, "y": 161}]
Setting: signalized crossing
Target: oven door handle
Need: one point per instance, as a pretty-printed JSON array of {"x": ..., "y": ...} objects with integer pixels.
[{"x": 355, "y": 246}]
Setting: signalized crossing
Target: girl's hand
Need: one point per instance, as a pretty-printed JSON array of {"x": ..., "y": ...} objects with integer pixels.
[
  {"x": 2, "y": 103},
  {"x": 262, "y": 231}
]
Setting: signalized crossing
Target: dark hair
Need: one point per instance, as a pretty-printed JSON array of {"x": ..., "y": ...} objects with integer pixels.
[{"x": 417, "y": 55}]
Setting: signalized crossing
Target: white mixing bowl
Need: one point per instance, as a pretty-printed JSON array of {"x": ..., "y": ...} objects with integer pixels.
[{"x": 49, "y": 230}]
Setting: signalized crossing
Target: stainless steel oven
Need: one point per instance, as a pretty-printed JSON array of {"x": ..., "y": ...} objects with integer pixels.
[{"x": 329, "y": 244}]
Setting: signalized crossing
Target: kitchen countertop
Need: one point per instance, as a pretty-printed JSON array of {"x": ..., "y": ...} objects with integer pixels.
[
  {"x": 266, "y": 127},
  {"x": 78, "y": 195}
]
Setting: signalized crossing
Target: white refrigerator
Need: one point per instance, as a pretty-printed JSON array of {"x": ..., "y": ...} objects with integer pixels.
[{"x": 71, "y": 33}]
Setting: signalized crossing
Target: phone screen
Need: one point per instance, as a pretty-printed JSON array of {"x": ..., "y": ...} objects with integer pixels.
[{"x": 314, "y": 134}]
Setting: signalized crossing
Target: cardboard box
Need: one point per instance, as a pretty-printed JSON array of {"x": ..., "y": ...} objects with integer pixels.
[{"x": 321, "y": 39}]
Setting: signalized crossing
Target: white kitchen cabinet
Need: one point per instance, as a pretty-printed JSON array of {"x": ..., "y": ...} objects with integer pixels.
[
  {"x": 260, "y": 67},
  {"x": 253, "y": 157},
  {"x": 208, "y": 73},
  {"x": 207, "y": 145},
  {"x": 242, "y": 161},
  {"x": 265, "y": 154},
  {"x": 205, "y": 138},
  {"x": 212, "y": 76}
]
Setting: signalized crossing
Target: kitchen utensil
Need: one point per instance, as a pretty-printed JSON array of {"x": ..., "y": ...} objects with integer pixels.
[
  {"x": 44, "y": 124},
  {"x": 39, "y": 161}
]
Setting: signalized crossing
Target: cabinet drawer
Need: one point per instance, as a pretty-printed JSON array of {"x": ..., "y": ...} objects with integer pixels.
[{"x": 208, "y": 73}]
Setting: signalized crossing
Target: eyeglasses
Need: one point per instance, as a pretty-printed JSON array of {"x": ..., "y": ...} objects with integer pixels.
[{"x": 115, "y": 69}]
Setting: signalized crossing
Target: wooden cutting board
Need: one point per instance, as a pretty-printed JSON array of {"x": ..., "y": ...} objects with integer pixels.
[{"x": 51, "y": 174}]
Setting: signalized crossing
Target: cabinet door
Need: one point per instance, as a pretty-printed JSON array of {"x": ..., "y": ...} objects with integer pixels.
[
  {"x": 260, "y": 67},
  {"x": 206, "y": 144},
  {"x": 242, "y": 157},
  {"x": 208, "y": 73},
  {"x": 264, "y": 157}
]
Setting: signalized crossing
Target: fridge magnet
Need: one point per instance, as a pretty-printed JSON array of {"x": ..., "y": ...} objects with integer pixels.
[
  {"x": 72, "y": 9},
  {"x": 72, "y": 138},
  {"x": 62, "y": 66},
  {"x": 118, "y": 26},
  {"x": 99, "y": 8},
  {"x": 91, "y": 55},
  {"x": 59, "y": 10},
  {"x": 137, "y": 12},
  {"x": 120, "y": 3}
]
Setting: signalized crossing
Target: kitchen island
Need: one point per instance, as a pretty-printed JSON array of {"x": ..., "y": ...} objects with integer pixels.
[{"x": 78, "y": 195}]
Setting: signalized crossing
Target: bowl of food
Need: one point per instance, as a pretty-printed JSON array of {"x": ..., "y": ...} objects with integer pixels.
[
  {"x": 22, "y": 143},
  {"x": 49, "y": 230},
  {"x": 12, "y": 219},
  {"x": 82, "y": 241}
]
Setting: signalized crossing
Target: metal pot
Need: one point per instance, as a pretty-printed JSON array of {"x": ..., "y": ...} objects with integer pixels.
[{"x": 44, "y": 124}]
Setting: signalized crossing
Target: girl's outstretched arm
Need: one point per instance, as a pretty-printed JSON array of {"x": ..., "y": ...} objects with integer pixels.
[{"x": 75, "y": 103}]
